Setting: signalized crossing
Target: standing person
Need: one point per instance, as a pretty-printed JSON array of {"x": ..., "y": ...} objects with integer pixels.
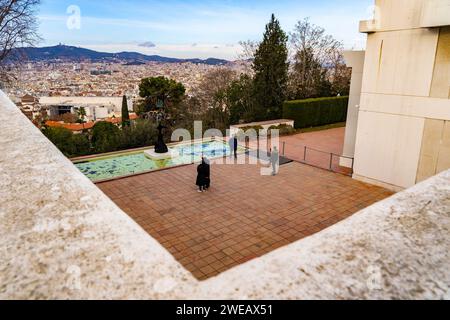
[
  {"x": 235, "y": 140},
  {"x": 203, "y": 176},
  {"x": 207, "y": 171},
  {"x": 233, "y": 146},
  {"x": 275, "y": 160},
  {"x": 200, "y": 176}
]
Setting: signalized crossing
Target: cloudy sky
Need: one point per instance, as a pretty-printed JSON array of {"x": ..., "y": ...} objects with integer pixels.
[{"x": 190, "y": 28}]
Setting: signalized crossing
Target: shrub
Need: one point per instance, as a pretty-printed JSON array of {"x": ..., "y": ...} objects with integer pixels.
[
  {"x": 70, "y": 144},
  {"x": 81, "y": 145},
  {"x": 61, "y": 138},
  {"x": 284, "y": 129},
  {"x": 316, "y": 112},
  {"x": 140, "y": 133},
  {"x": 243, "y": 131},
  {"x": 106, "y": 137}
]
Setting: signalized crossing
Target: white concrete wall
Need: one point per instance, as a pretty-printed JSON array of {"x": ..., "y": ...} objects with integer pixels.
[
  {"x": 400, "y": 62},
  {"x": 101, "y": 112},
  {"x": 396, "y": 96},
  {"x": 435, "y": 13},
  {"x": 407, "y": 14},
  {"x": 355, "y": 60},
  {"x": 388, "y": 148},
  {"x": 114, "y": 102}
]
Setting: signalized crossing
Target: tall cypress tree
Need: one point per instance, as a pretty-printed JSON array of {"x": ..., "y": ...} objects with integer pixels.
[
  {"x": 271, "y": 72},
  {"x": 125, "y": 113}
]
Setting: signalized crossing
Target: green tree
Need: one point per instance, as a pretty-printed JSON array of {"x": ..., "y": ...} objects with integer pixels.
[
  {"x": 106, "y": 137},
  {"x": 240, "y": 100},
  {"x": 319, "y": 69},
  {"x": 80, "y": 145},
  {"x": 141, "y": 133},
  {"x": 159, "y": 90},
  {"x": 212, "y": 95},
  {"x": 81, "y": 112},
  {"x": 185, "y": 113},
  {"x": 125, "y": 113},
  {"x": 19, "y": 24},
  {"x": 61, "y": 138},
  {"x": 271, "y": 72}
]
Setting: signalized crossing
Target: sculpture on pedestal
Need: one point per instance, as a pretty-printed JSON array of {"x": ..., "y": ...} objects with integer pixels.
[
  {"x": 160, "y": 146},
  {"x": 159, "y": 93}
]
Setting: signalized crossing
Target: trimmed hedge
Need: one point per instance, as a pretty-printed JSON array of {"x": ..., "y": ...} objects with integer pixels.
[{"x": 316, "y": 112}]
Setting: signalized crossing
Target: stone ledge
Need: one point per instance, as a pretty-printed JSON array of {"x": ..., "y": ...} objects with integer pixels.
[{"x": 62, "y": 238}]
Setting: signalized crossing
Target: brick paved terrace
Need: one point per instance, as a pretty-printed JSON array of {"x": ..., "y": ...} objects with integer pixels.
[
  {"x": 320, "y": 145},
  {"x": 245, "y": 215}
]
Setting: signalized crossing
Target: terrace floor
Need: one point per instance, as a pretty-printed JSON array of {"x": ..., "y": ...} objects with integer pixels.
[
  {"x": 323, "y": 148},
  {"x": 245, "y": 215}
]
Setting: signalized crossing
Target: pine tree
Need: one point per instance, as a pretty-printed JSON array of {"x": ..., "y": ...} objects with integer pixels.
[
  {"x": 125, "y": 113},
  {"x": 271, "y": 72}
]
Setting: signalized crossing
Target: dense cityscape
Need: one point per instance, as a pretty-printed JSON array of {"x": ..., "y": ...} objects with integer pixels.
[{"x": 93, "y": 79}]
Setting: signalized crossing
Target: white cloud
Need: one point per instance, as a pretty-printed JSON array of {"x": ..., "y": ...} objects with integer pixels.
[
  {"x": 202, "y": 30},
  {"x": 147, "y": 44},
  {"x": 184, "y": 51}
]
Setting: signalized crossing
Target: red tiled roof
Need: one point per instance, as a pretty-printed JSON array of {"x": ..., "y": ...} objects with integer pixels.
[
  {"x": 133, "y": 116},
  {"x": 87, "y": 125},
  {"x": 71, "y": 126}
]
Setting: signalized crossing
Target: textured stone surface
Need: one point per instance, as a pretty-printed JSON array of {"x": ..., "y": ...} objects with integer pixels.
[
  {"x": 61, "y": 237},
  {"x": 404, "y": 240},
  {"x": 59, "y": 233}
]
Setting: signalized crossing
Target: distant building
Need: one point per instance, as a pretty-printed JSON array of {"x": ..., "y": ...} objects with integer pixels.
[
  {"x": 97, "y": 108},
  {"x": 100, "y": 72},
  {"x": 399, "y": 114},
  {"x": 31, "y": 107},
  {"x": 80, "y": 127}
]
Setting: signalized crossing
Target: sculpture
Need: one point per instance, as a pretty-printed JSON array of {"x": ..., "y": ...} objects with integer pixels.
[{"x": 160, "y": 146}]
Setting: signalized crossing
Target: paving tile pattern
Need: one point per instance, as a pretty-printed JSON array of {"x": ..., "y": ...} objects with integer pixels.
[
  {"x": 243, "y": 216},
  {"x": 323, "y": 148}
]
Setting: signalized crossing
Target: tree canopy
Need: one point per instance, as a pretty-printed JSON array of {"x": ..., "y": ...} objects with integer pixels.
[
  {"x": 319, "y": 69},
  {"x": 160, "y": 90},
  {"x": 271, "y": 72},
  {"x": 18, "y": 28},
  {"x": 125, "y": 113},
  {"x": 106, "y": 137}
]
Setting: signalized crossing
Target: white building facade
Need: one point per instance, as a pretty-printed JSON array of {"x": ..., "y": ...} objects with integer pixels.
[
  {"x": 97, "y": 108},
  {"x": 403, "y": 117}
]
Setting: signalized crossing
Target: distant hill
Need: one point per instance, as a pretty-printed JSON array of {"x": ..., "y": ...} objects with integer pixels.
[{"x": 76, "y": 54}]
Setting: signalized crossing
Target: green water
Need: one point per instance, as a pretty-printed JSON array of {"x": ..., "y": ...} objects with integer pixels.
[{"x": 124, "y": 164}]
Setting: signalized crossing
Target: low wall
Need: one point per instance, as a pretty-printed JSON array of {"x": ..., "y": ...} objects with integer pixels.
[{"x": 264, "y": 124}]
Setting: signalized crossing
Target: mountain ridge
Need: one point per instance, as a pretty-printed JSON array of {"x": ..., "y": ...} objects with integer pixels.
[{"x": 79, "y": 54}]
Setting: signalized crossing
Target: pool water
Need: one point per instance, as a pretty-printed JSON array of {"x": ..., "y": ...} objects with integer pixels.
[{"x": 129, "y": 163}]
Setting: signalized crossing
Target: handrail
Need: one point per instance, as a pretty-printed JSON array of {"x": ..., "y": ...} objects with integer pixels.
[
  {"x": 332, "y": 155},
  {"x": 314, "y": 149}
]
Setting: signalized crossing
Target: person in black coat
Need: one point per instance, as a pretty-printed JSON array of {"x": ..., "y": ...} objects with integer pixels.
[
  {"x": 233, "y": 143},
  {"x": 203, "y": 176}
]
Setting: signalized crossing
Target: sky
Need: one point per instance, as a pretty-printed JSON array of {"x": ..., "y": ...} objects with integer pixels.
[{"x": 190, "y": 28}]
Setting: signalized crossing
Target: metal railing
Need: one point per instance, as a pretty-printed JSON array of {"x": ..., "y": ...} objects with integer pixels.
[
  {"x": 321, "y": 159},
  {"x": 310, "y": 156}
]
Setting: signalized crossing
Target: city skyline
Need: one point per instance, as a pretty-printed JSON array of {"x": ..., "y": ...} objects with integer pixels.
[{"x": 189, "y": 29}]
